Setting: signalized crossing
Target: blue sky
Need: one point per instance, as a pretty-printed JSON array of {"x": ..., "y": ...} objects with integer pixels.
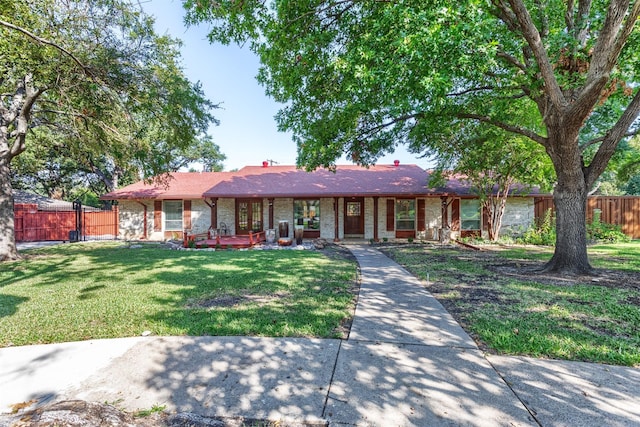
[{"x": 247, "y": 133}]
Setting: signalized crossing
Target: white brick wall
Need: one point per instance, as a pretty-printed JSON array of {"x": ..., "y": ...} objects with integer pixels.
[
  {"x": 200, "y": 216},
  {"x": 327, "y": 219},
  {"x": 368, "y": 217},
  {"x": 227, "y": 214},
  {"x": 433, "y": 217},
  {"x": 283, "y": 211},
  {"x": 131, "y": 219},
  {"x": 519, "y": 214},
  {"x": 382, "y": 219}
]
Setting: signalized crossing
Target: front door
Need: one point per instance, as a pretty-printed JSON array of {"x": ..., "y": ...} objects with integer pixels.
[
  {"x": 248, "y": 215},
  {"x": 354, "y": 216}
]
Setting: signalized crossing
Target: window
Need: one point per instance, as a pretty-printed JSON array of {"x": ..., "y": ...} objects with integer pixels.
[
  {"x": 173, "y": 215},
  {"x": 470, "y": 214},
  {"x": 405, "y": 214},
  {"x": 248, "y": 216},
  {"x": 353, "y": 208},
  {"x": 307, "y": 213}
]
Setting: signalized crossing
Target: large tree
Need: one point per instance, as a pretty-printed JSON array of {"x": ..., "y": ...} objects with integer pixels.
[
  {"x": 495, "y": 164},
  {"x": 360, "y": 77},
  {"x": 106, "y": 88}
]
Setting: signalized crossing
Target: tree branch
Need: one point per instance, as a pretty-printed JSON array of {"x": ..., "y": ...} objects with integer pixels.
[
  {"x": 26, "y": 96},
  {"x": 627, "y": 29},
  {"x": 512, "y": 60},
  {"x": 368, "y": 132},
  {"x": 534, "y": 41},
  {"x": 505, "y": 126},
  {"x": 602, "y": 138},
  {"x": 319, "y": 10},
  {"x": 611, "y": 40},
  {"x": 609, "y": 44},
  {"x": 48, "y": 43},
  {"x": 470, "y": 90},
  {"x": 611, "y": 141}
]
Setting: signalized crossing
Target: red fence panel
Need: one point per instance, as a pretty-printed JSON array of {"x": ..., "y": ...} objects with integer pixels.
[
  {"x": 32, "y": 224},
  {"x": 102, "y": 225},
  {"x": 620, "y": 210}
]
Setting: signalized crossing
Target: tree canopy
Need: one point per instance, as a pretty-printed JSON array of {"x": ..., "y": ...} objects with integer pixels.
[
  {"x": 107, "y": 93},
  {"x": 360, "y": 77}
]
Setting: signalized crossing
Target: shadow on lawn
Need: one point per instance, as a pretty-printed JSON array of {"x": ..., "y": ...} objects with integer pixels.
[
  {"x": 47, "y": 272},
  {"x": 257, "y": 293},
  {"x": 9, "y": 304}
]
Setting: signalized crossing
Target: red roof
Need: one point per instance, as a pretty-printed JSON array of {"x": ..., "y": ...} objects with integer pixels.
[
  {"x": 287, "y": 181},
  {"x": 179, "y": 185}
]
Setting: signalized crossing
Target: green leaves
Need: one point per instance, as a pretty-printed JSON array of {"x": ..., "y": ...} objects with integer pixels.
[{"x": 111, "y": 89}]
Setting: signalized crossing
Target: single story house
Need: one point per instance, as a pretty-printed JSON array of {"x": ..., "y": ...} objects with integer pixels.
[{"x": 383, "y": 201}]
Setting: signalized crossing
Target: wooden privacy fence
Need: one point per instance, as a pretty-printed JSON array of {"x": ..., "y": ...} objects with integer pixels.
[
  {"x": 32, "y": 224},
  {"x": 620, "y": 210}
]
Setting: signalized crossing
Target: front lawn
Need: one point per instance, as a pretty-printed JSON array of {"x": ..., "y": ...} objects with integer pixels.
[
  {"x": 509, "y": 308},
  {"x": 103, "y": 290}
]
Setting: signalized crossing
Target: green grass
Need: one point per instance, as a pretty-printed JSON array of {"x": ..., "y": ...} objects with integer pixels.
[
  {"x": 104, "y": 290},
  {"x": 578, "y": 319}
]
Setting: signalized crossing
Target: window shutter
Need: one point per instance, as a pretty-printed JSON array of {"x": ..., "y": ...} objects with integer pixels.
[
  {"x": 421, "y": 215},
  {"x": 157, "y": 215},
  {"x": 485, "y": 219},
  {"x": 455, "y": 215},
  {"x": 391, "y": 213},
  {"x": 186, "y": 214}
]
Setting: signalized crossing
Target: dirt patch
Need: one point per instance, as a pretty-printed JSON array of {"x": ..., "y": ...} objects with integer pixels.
[
  {"x": 234, "y": 300},
  {"x": 532, "y": 271},
  {"x": 78, "y": 413},
  {"x": 334, "y": 251}
]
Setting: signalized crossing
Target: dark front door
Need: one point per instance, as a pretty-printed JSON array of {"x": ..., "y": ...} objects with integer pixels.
[
  {"x": 248, "y": 215},
  {"x": 353, "y": 216}
]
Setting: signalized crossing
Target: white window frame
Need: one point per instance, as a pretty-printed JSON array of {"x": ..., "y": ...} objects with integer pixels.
[
  {"x": 172, "y": 224},
  {"x": 470, "y": 214}
]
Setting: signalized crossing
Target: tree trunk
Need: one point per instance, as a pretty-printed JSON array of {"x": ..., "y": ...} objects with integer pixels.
[
  {"x": 570, "y": 256},
  {"x": 570, "y": 198},
  {"x": 495, "y": 207},
  {"x": 8, "y": 250}
]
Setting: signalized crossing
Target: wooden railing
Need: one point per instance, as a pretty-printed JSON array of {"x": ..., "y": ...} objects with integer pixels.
[{"x": 213, "y": 239}]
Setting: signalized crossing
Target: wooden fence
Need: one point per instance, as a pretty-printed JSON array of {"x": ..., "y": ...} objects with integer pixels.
[
  {"x": 32, "y": 224},
  {"x": 620, "y": 210}
]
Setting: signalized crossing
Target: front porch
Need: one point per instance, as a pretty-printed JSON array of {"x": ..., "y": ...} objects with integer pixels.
[{"x": 213, "y": 239}]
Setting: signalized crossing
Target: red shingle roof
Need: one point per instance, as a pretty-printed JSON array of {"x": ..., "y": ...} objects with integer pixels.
[
  {"x": 288, "y": 181},
  {"x": 179, "y": 185}
]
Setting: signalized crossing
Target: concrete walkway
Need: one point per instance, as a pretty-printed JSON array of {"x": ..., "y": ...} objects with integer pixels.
[{"x": 406, "y": 363}]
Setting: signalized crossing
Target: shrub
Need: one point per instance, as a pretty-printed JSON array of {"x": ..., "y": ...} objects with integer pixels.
[
  {"x": 410, "y": 239},
  {"x": 543, "y": 233},
  {"x": 599, "y": 231}
]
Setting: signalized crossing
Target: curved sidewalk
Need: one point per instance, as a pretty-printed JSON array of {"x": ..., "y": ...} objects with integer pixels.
[{"x": 406, "y": 363}]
